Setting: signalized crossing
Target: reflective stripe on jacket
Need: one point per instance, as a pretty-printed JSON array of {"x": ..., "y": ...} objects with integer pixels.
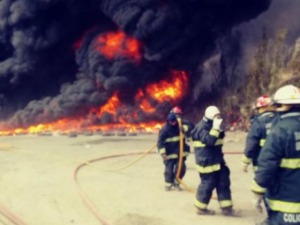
[
  {"x": 279, "y": 165},
  {"x": 260, "y": 127},
  {"x": 208, "y": 144},
  {"x": 169, "y": 140}
]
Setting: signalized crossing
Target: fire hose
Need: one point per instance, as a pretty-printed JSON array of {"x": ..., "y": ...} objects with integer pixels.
[
  {"x": 3, "y": 210},
  {"x": 14, "y": 219},
  {"x": 10, "y": 216},
  {"x": 88, "y": 203},
  {"x": 17, "y": 221},
  {"x": 179, "y": 167}
]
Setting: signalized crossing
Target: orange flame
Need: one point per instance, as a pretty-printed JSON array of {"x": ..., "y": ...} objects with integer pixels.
[
  {"x": 111, "y": 105},
  {"x": 116, "y": 44},
  {"x": 171, "y": 90}
]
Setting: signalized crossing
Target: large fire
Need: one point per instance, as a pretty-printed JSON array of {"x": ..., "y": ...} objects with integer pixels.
[
  {"x": 171, "y": 90},
  {"x": 116, "y": 44}
]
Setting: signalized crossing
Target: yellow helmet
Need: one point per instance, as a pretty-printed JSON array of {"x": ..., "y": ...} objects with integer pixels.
[
  {"x": 211, "y": 111},
  {"x": 287, "y": 95}
]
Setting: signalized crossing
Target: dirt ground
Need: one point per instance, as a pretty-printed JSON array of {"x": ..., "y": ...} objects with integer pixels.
[{"x": 37, "y": 182}]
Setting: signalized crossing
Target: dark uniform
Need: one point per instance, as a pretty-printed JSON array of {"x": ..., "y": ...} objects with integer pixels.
[
  {"x": 169, "y": 144},
  {"x": 211, "y": 165},
  {"x": 278, "y": 171},
  {"x": 260, "y": 128},
  {"x": 256, "y": 138}
]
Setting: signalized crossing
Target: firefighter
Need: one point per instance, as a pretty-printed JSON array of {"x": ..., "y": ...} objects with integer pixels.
[
  {"x": 179, "y": 114},
  {"x": 278, "y": 173},
  {"x": 214, "y": 174},
  {"x": 260, "y": 127},
  {"x": 177, "y": 111},
  {"x": 168, "y": 145}
]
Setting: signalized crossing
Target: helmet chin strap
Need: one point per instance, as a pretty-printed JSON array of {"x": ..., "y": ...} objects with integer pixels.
[
  {"x": 266, "y": 108},
  {"x": 283, "y": 108}
]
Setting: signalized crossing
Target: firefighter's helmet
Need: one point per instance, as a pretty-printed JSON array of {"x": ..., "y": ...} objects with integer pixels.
[
  {"x": 211, "y": 111},
  {"x": 176, "y": 110},
  {"x": 171, "y": 117},
  {"x": 263, "y": 101},
  {"x": 287, "y": 95}
]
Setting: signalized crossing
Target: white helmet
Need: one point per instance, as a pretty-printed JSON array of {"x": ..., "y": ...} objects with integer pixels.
[
  {"x": 211, "y": 111},
  {"x": 287, "y": 95}
]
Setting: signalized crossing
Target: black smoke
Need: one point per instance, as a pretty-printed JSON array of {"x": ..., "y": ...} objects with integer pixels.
[
  {"x": 235, "y": 50},
  {"x": 44, "y": 77}
]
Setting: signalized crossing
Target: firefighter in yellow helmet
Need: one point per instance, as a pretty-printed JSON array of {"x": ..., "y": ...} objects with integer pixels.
[
  {"x": 214, "y": 173},
  {"x": 278, "y": 173}
]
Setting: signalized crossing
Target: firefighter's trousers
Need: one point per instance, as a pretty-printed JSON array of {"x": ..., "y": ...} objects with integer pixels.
[
  {"x": 171, "y": 167},
  {"x": 219, "y": 180}
]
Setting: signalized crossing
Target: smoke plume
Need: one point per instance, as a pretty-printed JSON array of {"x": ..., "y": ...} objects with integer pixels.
[
  {"x": 236, "y": 49},
  {"x": 53, "y": 61}
]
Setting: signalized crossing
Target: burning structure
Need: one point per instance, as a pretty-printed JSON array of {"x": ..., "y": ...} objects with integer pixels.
[{"x": 73, "y": 64}]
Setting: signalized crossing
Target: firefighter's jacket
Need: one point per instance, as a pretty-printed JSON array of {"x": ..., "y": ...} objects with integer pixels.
[
  {"x": 208, "y": 144},
  {"x": 169, "y": 140},
  {"x": 260, "y": 128},
  {"x": 278, "y": 171}
]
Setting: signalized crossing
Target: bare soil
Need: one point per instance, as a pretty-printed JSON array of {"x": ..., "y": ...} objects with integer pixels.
[{"x": 37, "y": 182}]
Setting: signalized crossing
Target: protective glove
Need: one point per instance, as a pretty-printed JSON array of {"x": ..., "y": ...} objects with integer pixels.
[
  {"x": 164, "y": 157},
  {"x": 188, "y": 140},
  {"x": 217, "y": 123},
  {"x": 245, "y": 167},
  {"x": 257, "y": 200}
]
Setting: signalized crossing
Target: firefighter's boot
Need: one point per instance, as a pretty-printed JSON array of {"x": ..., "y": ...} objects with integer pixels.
[
  {"x": 169, "y": 187},
  {"x": 205, "y": 212},
  {"x": 229, "y": 211},
  {"x": 177, "y": 186}
]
